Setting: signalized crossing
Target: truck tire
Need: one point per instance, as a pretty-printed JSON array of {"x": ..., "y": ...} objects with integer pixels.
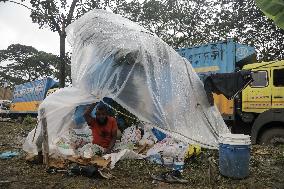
[
  {"x": 270, "y": 119},
  {"x": 273, "y": 136}
]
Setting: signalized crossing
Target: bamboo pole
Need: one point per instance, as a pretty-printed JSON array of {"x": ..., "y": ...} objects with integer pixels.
[{"x": 45, "y": 145}]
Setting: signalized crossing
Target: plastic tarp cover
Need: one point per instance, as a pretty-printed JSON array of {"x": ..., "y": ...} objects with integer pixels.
[
  {"x": 123, "y": 154},
  {"x": 116, "y": 58},
  {"x": 60, "y": 108}
]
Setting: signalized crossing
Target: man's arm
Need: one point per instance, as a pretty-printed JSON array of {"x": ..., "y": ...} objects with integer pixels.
[
  {"x": 87, "y": 114},
  {"x": 113, "y": 140}
]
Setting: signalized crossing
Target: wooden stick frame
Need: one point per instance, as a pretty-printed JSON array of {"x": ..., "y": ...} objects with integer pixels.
[{"x": 45, "y": 146}]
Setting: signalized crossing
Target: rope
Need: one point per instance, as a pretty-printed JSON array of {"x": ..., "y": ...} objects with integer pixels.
[{"x": 117, "y": 111}]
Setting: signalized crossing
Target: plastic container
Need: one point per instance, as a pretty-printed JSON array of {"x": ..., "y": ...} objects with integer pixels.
[
  {"x": 168, "y": 161},
  {"x": 234, "y": 155},
  {"x": 156, "y": 158},
  {"x": 179, "y": 159},
  {"x": 178, "y": 164}
]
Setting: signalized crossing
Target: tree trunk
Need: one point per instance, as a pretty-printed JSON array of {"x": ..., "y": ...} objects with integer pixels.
[{"x": 62, "y": 60}]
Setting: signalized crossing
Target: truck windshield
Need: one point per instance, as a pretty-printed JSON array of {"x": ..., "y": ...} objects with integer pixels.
[{"x": 259, "y": 79}]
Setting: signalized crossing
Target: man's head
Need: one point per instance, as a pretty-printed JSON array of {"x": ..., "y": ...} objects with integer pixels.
[{"x": 101, "y": 114}]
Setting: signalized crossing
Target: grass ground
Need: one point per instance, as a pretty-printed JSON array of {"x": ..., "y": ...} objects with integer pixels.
[{"x": 266, "y": 169}]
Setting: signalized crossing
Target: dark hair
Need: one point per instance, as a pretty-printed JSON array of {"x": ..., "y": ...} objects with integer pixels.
[{"x": 101, "y": 107}]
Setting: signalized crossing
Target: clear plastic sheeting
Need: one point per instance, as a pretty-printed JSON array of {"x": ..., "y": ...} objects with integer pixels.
[
  {"x": 116, "y": 58},
  {"x": 59, "y": 108}
]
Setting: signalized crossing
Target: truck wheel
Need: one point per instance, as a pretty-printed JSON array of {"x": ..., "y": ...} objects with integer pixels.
[{"x": 273, "y": 136}]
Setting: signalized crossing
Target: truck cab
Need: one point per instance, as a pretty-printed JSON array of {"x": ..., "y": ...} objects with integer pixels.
[{"x": 262, "y": 102}]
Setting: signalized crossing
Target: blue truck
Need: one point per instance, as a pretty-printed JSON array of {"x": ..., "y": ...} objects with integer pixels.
[
  {"x": 221, "y": 57},
  {"x": 28, "y": 96}
]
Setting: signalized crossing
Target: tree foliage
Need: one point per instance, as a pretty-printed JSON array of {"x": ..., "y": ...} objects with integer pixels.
[
  {"x": 273, "y": 9},
  {"x": 178, "y": 22},
  {"x": 20, "y": 63},
  {"x": 245, "y": 22},
  {"x": 58, "y": 14},
  {"x": 185, "y": 23}
]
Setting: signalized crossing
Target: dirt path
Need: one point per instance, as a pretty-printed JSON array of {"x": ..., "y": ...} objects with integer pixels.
[{"x": 266, "y": 170}]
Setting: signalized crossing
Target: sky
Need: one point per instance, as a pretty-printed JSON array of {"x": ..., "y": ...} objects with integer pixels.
[{"x": 16, "y": 27}]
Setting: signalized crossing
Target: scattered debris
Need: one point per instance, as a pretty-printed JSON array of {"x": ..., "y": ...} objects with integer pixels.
[
  {"x": 262, "y": 151},
  {"x": 4, "y": 119},
  {"x": 170, "y": 177},
  {"x": 4, "y": 181},
  {"x": 90, "y": 171},
  {"x": 8, "y": 154},
  {"x": 265, "y": 170}
]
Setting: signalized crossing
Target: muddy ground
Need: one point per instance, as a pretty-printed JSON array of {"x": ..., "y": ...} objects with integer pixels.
[{"x": 266, "y": 169}]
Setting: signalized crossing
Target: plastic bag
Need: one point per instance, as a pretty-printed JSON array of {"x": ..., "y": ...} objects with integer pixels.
[
  {"x": 81, "y": 137},
  {"x": 124, "y": 154},
  {"x": 167, "y": 150},
  {"x": 64, "y": 145},
  {"x": 89, "y": 150},
  {"x": 192, "y": 150},
  {"x": 148, "y": 137},
  {"x": 131, "y": 135},
  {"x": 165, "y": 145},
  {"x": 122, "y": 146}
]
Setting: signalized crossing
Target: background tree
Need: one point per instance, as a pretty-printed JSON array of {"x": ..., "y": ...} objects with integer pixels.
[
  {"x": 273, "y": 10},
  {"x": 180, "y": 23},
  {"x": 185, "y": 23},
  {"x": 58, "y": 14},
  {"x": 245, "y": 22},
  {"x": 25, "y": 63}
]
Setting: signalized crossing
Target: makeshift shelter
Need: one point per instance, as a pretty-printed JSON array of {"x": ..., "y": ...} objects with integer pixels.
[{"x": 116, "y": 58}]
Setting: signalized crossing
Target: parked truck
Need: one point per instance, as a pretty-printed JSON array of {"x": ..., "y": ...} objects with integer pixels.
[
  {"x": 221, "y": 57},
  {"x": 28, "y": 96},
  {"x": 261, "y": 104},
  {"x": 259, "y": 108}
]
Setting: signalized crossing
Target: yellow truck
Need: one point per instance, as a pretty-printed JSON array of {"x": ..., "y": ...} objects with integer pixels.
[
  {"x": 257, "y": 105},
  {"x": 259, "y": 109},
  {"x": 262, "y": 102}
]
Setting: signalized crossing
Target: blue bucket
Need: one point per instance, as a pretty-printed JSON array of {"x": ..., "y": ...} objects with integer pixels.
[{"x": 234, "y": 156}]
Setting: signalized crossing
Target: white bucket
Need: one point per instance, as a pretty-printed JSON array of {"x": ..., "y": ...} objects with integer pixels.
[{"x": 234, "y": 139}]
